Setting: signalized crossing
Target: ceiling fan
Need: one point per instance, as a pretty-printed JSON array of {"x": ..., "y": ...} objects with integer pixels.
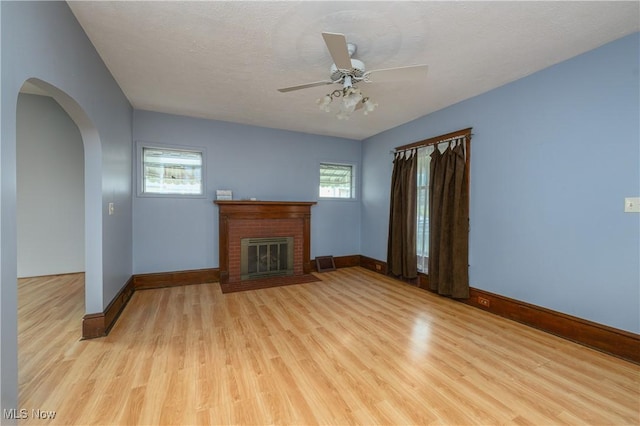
[{"x": 348, "y": 71}]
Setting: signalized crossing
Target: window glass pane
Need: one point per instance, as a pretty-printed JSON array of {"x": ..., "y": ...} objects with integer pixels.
[
  {"x": 167, "y": 171},
  {"x": 336, "y": 180},
  {"x": 422, "y": 237}
]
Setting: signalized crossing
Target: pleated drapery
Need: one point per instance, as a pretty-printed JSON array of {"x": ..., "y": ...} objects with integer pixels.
[
  {"x": 449, "y": 222},
  {"x": 401, "y": 249},
  {"x": 429, "y": 221}
]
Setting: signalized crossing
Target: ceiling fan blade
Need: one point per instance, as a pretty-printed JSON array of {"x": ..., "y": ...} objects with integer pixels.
[
  {"x": 399, "y": 73},
  {"x": 305, "y": 86},
  {"x": 337, "y": 45}
]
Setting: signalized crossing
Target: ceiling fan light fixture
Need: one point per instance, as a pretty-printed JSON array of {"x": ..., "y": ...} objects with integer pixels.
[
  {"x": 369, "y": 106},
  {"x": 323, "y": 103},
  {"x": 350, "y": 99}
]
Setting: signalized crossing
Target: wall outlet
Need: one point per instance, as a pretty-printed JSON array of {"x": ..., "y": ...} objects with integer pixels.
[
  {"x": 111, "y": 209},
  {"x": 484, "y": 301},
  {"x": 378, "y": 267},
  {"x": 632, "y": 205}
]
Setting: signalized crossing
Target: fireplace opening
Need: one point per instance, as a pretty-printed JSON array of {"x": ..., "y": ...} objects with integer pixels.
[{"x": 266, "y": 257}]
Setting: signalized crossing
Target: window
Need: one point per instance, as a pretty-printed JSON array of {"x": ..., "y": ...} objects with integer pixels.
[
  {"x": 171, "y": 172},
  {"x": 422, "y": 229},
  {"x": 337, "y": 180}
]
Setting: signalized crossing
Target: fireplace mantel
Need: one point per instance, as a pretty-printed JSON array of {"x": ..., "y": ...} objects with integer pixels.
[
  {"x": 264, "y": 209},
  {"x": 239, "y": 217}
]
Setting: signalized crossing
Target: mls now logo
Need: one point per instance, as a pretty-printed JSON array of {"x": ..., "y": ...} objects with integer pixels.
[
  {"x": 23, "y": 413},
  {"x": 14, "y": 413}
]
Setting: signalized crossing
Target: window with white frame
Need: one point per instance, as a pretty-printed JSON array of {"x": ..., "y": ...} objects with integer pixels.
[
  {"x": 169, "y": 171},
  {"x": 337, "y": 180}
]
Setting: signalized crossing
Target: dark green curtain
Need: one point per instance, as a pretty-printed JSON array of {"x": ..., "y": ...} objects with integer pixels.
[
  {"x": 401, "y": 249},
  {"x": 449, "y": 222}
]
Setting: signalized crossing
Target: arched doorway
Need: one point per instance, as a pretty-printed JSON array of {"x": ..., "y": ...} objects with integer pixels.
[
  {"x": 92, "y": 206},
  {"x": 92, "y": 192},
  {"x": 50, "y": 234}
]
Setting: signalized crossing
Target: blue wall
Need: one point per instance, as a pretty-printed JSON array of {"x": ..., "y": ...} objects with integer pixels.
[
  {"x": 553, "y": 156},
  {"x": 43, "y": 41},
  {"x": 179, "y": 234}
]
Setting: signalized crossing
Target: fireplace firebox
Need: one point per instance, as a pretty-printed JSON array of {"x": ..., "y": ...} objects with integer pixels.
[{"x": 265, "y": 257}]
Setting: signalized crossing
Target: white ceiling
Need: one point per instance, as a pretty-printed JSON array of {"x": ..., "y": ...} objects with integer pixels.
[{"x": 225, "y": 60}]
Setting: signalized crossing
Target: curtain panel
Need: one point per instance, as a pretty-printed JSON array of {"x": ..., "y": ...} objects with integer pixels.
[
  {"x": 449, "y": 221},
  {"x": 401, "y": 249}
]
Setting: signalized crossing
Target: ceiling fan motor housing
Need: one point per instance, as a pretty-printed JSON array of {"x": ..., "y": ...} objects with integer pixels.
[{"x": 357, "y": 70}]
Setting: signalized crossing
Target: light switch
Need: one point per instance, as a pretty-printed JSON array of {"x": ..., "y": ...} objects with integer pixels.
[
  {"x": 111, "y": 209},
  {"x": 632, "y": 205}
]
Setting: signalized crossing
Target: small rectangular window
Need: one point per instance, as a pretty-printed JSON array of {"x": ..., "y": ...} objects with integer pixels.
[
  {"x": 171, "y": 171},
  {"x": 337, "y": 180}
]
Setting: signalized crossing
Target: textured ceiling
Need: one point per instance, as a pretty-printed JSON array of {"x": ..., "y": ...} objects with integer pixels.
[{"x": 225, "y": 60}]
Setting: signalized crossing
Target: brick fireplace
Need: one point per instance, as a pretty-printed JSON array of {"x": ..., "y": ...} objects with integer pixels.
[{"x": 242, "y": 220}]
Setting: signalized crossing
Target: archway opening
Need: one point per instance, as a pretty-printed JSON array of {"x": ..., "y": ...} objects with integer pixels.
[{"x": 59, "y": 227}]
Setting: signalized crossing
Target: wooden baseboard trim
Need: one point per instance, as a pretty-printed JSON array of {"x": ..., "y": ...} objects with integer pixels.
[
  {"x": 99, "y": 324},
  {"x": 607, "y": 339},
  {"x": 210, "y": 275},
  {"x": 175, "y": 278},
  {"x": 374, "y": 265},
  {"x": 612, "y": 341}
]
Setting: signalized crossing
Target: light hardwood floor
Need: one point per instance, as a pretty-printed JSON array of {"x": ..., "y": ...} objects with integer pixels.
[{"x": 356, "y": 348}]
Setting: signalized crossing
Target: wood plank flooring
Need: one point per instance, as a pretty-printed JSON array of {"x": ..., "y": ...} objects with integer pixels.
[{"x": 356, "y": 348}]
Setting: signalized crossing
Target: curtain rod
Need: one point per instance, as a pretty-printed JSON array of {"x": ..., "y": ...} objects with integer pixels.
[{"x": 435, "y": 140}]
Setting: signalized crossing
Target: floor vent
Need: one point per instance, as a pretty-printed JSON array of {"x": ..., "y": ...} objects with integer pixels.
[{"x": 325, "y": 263}]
